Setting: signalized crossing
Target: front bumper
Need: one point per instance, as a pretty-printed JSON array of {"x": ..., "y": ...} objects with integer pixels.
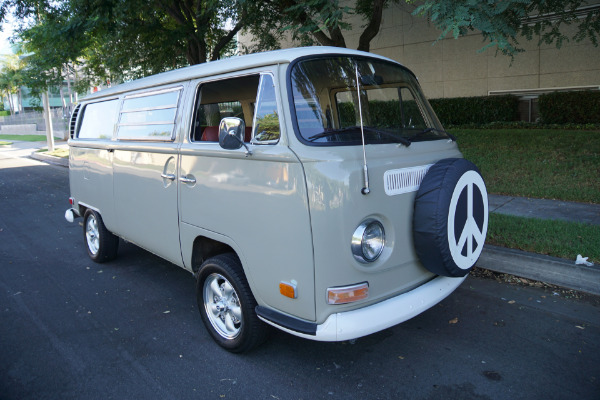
[{"x": 377, "y": 317}]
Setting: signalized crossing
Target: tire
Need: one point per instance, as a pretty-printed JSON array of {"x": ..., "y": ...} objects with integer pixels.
[
  {"x": 451, "y": 217},
  {"x": 102, "y": 245},
  {"x": 227, "y": 305}
]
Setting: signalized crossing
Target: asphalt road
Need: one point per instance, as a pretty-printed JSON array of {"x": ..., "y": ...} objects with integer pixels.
[{"x": 130, "y": 329}]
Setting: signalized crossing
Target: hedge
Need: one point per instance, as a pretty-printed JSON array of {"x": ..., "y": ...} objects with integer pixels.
[
  {"x": 386, "y": 113},
  {"x": 455, "y": 111},
  {"x": 4, "y": 113},
  {"x": 476, "y": 110},
  {"x": 581, "y": 107}
]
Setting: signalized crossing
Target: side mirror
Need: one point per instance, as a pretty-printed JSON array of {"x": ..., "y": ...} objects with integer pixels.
[{"x": 231, "y": 133}]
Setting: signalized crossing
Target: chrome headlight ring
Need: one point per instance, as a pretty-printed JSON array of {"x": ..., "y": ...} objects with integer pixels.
[{"x": 368, "y": 241}]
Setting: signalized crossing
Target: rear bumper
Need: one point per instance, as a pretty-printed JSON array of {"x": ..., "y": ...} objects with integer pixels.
[
  {"x": 71, "y": 214},
  {"x": 364, "y": 321}
]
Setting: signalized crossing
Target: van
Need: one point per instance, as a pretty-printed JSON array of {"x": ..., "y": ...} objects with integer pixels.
[{"x": 309, "y": 189}]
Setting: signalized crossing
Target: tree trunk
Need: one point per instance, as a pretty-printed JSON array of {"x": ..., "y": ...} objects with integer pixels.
[
  {"x": 48, "y": 120},
  {"x": 10, "y": 100},
  {"x": 69, "y": 90},
  {"x": 372, "y": 28},
  {"x": 20, "y": 99}
]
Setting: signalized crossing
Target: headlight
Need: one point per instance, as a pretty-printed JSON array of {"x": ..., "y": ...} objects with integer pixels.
[{"x": 368, "y": 241}]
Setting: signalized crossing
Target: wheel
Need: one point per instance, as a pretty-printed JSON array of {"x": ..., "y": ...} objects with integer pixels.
[
  {"x": 450, "y": 217},
  {"x": 227, "y": 305},
  {"x": 101, "y": 244}
]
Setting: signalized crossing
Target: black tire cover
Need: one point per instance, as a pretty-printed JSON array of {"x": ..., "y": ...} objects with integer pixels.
[{"x": 450, "y": 217}]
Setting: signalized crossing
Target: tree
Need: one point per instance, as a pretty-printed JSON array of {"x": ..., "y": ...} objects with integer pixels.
[
  {"x": 503, "y": 22},
  {"x": 122, "y": 40},
  {"x": 318, "y": 21},
  {"x": 11, "y": 78}
]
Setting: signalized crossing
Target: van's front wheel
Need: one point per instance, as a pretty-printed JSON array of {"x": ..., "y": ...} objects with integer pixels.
[
  {"x": 227, "y": 306},
  {"x": 102, "y": 245}
]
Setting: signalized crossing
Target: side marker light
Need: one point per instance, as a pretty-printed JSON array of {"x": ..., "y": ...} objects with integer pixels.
[{"x": 288, "y": 289}]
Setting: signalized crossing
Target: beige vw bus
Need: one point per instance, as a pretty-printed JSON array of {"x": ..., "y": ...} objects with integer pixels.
[{"x": 310, "y": 189}]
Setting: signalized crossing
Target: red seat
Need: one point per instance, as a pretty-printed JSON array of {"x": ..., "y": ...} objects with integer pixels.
[{"x": 210, "y": 134}]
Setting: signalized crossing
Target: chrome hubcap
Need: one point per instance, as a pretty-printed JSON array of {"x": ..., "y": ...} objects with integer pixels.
[
  {"x": 222, "y": 306},
  {"x": 92, "y": 235}
]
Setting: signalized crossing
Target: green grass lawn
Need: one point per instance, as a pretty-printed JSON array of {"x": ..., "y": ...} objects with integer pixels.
[
  {"x": 556, "y": 238},
  {"x": 26, "y": 138},
  {"x": 550, "y": 164},
  {"x": 60, "y": 152}
]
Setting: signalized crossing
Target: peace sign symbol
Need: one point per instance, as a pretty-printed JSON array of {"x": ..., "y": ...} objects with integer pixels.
[{"x": 467, "y": 219}]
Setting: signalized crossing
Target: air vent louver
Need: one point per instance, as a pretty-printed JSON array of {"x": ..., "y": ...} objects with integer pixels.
[
  {"x": 73, "y": 122},
  {"x": 405, "y": 180}
]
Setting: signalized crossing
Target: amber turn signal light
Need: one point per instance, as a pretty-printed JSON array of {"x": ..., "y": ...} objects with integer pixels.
[{"x": 348, "y": 294}]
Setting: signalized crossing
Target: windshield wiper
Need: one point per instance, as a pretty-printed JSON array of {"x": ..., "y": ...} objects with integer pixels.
[
  {"x": 332, "y": 132},
  {"x": 427, "y": 130},
  {"x": 396, "y": 139}
]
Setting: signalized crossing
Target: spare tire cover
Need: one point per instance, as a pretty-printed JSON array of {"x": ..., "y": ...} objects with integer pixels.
[{"x": 451, "y": 217}]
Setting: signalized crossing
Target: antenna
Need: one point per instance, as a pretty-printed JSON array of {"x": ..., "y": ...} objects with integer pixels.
[{"x": 365, "y": 190}]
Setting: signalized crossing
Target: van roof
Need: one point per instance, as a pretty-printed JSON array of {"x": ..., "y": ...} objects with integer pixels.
[{"x": 227, "y": 65}]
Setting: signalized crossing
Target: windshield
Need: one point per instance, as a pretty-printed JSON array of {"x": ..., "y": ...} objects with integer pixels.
[{"x": 326, "y": 102}]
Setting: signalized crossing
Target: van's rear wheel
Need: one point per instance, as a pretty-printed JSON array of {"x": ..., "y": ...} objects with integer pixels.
[
  {"x": 102, "y": 245},
  {"x": 227, "y": 306}
]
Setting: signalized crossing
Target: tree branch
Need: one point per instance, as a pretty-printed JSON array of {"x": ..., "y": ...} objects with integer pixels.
[
  {"x": 224, "y": 40},
  {"x": 372, "y": 28}
]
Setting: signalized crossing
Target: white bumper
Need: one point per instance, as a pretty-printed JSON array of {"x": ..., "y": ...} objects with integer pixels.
[{"x": 364, "y": 321}]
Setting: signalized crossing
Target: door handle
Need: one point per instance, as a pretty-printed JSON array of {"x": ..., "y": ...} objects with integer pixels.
[
  {"x": 170, "y": 177},
  {"x": 185, "y": 179}
]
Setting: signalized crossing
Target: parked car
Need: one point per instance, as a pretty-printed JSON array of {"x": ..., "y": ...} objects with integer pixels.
[{"x": 310, "y": 189}]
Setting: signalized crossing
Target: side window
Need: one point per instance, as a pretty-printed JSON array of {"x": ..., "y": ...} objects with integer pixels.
[
  {"x": 226, "y": 98},
  {"x": 149, "y": 116},
  {"x": 98, "y": 120},
  {"x": 266, "y": 120}
]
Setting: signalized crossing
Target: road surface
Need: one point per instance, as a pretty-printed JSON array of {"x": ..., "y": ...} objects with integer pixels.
[{"x": 130, "y": 329}]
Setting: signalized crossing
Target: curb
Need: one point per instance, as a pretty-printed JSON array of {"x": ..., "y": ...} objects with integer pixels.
[
  {"x": 64, "y": 162},
  {"x": 553, "y": 270}
]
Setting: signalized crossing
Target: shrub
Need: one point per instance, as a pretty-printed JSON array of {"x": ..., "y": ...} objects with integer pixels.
[
  {"x": 476, "y": 110},
  {"x": 527, "y": 125},
  {"x": 581, "y": 107},
  {"x": 4, "y": 113}
]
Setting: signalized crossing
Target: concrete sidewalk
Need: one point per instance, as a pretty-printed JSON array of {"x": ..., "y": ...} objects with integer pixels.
[
  {"x": 545, "y": 209},
  {"x": 556, "y": 271},
  {"x": 30, "y": 150}
]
